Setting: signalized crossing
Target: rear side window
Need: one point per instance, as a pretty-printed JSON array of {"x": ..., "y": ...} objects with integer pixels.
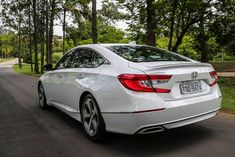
[
  {"x": 82, "y": 58},
  {"x": 144, "y": 53},
  {"x": 97, "y": 60}
]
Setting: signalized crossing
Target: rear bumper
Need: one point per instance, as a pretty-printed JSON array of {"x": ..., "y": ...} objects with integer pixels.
[
  {"x": 177, "y": 123},
  {"x": 184, "y": 113}
]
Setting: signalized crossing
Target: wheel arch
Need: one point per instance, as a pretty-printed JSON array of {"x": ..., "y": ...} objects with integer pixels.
[
  {"x": 39, "y": 82},
  {"x": 83, "y": 95}
]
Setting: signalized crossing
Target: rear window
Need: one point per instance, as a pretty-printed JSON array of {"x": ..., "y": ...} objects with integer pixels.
[{"x": 144, "y": 53}]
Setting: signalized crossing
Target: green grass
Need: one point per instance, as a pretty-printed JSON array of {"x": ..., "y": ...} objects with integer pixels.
[
  {"x": 5, "y": 59},
  {"x": 26, "y": 70},
  {"x": 227, "y": 87}
]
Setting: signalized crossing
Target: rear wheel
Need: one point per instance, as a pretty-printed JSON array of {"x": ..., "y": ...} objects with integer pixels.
[
  {"x": 42, "y": 97},
  {"x": 92, "y": 119}
]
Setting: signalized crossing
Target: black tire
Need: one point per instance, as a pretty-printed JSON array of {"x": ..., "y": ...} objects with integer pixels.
[
  {"x": 42, "y": 98},
  {"x": 95, "y": 130}
]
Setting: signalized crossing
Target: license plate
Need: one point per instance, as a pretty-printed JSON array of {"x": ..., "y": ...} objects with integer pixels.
[{"x": 190, "y": 87}]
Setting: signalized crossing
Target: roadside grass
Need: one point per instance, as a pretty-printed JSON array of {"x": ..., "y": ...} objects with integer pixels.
[
  {"x": 26, "y": 70},
  {"x": 227, "y": 87},
  {"x": 5, "y": 59}
]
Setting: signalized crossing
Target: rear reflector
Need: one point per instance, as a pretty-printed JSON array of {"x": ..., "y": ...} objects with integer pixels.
[
  {"x": 215, "y": 77},
  {"x": 144, "y": 83},
  {"x": 153, "y": 110}
]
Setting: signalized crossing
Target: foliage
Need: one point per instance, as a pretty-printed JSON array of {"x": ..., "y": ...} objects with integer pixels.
[
  {"x": 202, "y": 30},
  {"x": 187, "y": 48}
]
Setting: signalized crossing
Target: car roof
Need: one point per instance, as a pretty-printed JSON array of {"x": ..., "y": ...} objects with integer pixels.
[{"x": 110, "y": 44}]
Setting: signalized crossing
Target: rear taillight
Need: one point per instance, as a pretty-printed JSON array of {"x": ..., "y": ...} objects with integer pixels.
[
  {"x": 144, "y": 83},
  {"x": 214, "y": 76}
]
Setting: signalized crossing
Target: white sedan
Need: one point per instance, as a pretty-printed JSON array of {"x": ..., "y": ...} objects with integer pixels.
[{"x": 130, "y": 89}]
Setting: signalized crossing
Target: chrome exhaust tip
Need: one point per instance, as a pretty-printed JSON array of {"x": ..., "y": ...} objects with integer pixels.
[{"x": 150, "y": 130}]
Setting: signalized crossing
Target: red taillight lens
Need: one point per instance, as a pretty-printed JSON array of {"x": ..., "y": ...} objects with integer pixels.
[
  {"x": 136, "y": 82},
  {"x": 144, "y": 83},
  {"x": 215, "y": 77}
]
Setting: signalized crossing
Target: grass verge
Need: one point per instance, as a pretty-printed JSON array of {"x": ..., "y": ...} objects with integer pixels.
[
  {"x": 227, "y": 87},
  {"x": 26, "y": 70}
]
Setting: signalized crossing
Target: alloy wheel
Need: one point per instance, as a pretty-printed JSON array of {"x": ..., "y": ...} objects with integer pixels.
[{"x": 90, "y": 117}]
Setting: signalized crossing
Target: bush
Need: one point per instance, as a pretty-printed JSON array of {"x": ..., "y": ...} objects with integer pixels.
[{"x": 55, "y": 59}]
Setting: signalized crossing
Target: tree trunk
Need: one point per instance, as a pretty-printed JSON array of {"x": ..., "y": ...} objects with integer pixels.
[
  {"x": 174, "y": 5},
  {"x": 42, "y": 35},
  {"x": 30, "y": 38},
  {"x": 19, "y": 44},
  {"x": 35, "y": 38},
  {"x": 94, "y": 22},
  {"x": 203, "y": 40},
  {"x": 151, "y": 36},
  {"x": 52, "y": 15},
  {"x": 64, "y": 25},
  {"x": 47, "y": 30}
]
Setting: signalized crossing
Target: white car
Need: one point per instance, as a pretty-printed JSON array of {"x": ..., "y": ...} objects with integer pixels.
[{"x": 130, "y": 89}]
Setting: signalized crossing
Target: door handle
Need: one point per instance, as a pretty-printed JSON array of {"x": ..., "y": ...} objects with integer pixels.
[
  {"x": 60, "y": 75},
  {"x": 79, "y": 76}
]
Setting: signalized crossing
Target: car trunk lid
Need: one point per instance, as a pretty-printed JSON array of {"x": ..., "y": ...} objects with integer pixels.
[{"x": 189, "y": 79}]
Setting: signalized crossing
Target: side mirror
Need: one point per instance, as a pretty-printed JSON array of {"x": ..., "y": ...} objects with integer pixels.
[{"x": 47, "y": 67}]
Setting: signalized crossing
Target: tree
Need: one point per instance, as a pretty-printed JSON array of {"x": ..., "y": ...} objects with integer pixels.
[
  {"x": 51, "y": 25},
  {"x": 42, "y": 41},
  {"x": 47, "y": 30},
  {"x": 29, "y": 34},
  {"x": 64, "y": 23},
  {"x": 172, "y": 22},
  {"x": 12, "y": 15},
  {"x": 151, "y": 35},
  {"x": 222, "y": 27},
  {"x": 35, "y": 33},
  {"x": 94, "y": 22}
]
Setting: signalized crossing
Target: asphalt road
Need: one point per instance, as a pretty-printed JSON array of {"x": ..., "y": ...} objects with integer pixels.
[{"x": 28, "y": 131}]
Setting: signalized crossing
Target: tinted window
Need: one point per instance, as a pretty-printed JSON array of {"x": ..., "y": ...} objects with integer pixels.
[
  {"x": 82, "y": 58},
  {"x": 97, "y": 59},
  {"x": 64, "y": 62},
  {"x": 144, "y": 53}
]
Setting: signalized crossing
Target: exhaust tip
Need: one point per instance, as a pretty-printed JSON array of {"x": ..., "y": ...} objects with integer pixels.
[{"x": 150, "y": 130}]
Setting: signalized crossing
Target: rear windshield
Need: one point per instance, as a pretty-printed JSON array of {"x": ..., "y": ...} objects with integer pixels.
[{"x": 144, "y": 53}]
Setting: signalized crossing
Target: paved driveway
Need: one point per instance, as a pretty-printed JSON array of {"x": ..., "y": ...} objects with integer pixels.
[{"x": 28, "y": 131}]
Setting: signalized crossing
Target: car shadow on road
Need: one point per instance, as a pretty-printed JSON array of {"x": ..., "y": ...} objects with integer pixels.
[
  {"x": 145, "y": 145},
  {"x": 160, "y": 143}
]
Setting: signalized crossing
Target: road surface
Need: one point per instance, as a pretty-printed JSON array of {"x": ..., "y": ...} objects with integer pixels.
[
  {"x": 28, "y": 131},
  {"x": 9, "y": 64}
]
